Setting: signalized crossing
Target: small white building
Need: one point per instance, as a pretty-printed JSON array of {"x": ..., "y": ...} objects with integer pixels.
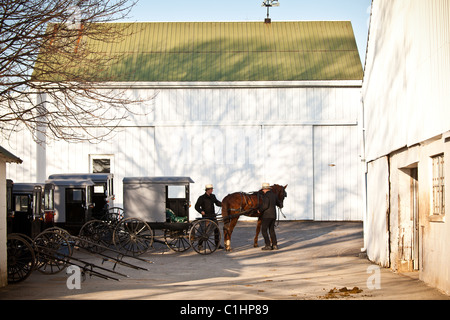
[
  {"x": 5, "y": 157},
  {"x": 406, "y": 95},
  {"x": 237, "y": 104}
]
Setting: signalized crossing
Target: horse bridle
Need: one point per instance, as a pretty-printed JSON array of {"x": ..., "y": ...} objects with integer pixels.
[{"x": 280, "y": 210}]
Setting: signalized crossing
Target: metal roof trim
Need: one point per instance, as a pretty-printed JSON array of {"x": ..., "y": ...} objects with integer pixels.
[{"x": 231, "y": 84}]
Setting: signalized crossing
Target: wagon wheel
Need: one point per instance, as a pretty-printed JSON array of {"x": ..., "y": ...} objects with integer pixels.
[
  {"x": 99, "y": 236},
  {"x": 133, "y": 235},
  {"x": 61, "y": 231},
  {"x": 177, "y": 240},
  {"x": 53, "y": 251},
  {"x": 114, "y": 215},
  {"x": 21, "y": 258},
  {"x": 65, "y": 234},
  {"x": 204, "y": 236}
]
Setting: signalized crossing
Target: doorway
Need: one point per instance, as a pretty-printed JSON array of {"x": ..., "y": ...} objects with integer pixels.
[
  {"x": 75, "y": 206},
  {"x": 415, "y": 217},
  {"x": 177, "y": 200},
  {"x": 408, "y": 220}
]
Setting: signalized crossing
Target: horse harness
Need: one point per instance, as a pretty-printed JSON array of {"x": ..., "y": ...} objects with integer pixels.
[{"x": 246, "y": 200}]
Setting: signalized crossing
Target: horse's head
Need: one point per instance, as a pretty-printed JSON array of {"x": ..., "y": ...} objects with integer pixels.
[{"x": 280, "y": 192}]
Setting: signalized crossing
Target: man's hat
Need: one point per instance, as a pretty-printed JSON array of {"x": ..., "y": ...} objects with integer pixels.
[
  {"x": 209, "y": 186},
  {"x": 265, "y": 186}
]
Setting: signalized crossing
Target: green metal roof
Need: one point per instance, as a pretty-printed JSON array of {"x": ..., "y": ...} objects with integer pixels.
[{"x": 231, "y": 51}]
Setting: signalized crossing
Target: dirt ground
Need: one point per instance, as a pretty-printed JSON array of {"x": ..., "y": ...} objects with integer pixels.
[{"x": 316, "y": 261}]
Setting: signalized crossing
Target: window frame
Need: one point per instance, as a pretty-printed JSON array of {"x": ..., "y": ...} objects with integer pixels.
[{"x": 437, "y": 212}]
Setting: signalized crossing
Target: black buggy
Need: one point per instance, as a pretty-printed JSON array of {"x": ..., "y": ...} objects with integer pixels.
[
  {"x": 39, "y": 219},
  {"x": 163, "y": 203}
]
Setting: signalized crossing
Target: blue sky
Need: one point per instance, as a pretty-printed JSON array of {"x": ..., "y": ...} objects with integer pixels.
[{"x": 357, "y": 11}]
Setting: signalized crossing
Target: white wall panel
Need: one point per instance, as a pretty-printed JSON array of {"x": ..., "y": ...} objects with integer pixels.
[
  {"x": 19, "y": 144},
  {"x": 237, "y": 158},
  {"x": 337, "y": 174},
  {"x": 268, "y": 104},
  {"x": 225, "y": 156},
  {"x": 376, "y": 231},
  {"x": 406, "y": 86}
]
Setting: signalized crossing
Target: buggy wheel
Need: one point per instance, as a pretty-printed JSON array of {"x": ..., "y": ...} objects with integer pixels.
[
  {"x": 204, "y": 236},
  {"x": 114, "y": 215},
  {"x": 61, "y": 231},
  {"x": 99, "y": 236},
  {"x": 134, "y": 236},
  {"x": 177, "y": 240},
  {"x": 53, "y": 251},
  {"x": 20, "y": 258}
]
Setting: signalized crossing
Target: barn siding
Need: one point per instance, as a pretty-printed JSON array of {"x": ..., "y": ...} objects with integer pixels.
[
  {"x": 407, "y": 80},
  {"x": 376, "y": 228},
  {"x": 406, "y": 91},
  {"x": 235, "y": 138},
  {"x": 243, "y": 104},
  {"x": 337, "y": 170}
]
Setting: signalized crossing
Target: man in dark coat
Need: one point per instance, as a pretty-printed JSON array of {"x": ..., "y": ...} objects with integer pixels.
[
  {"x": 268, "y": 217},
  {"x": 205, "y": 206},
  {"x": 205, "y": 203}
]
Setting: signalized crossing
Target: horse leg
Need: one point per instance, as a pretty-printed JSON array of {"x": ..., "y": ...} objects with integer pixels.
[
  {"x": 227, "y": 231},
  {"x": 258, "y": 229}
]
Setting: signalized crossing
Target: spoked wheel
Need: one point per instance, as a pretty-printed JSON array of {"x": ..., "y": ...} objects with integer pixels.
[
  {"x": 21, "y": 258},
  {"x": 61, "y": 231},
  {"x": 53, "y": 251},
  {"x": 134, "y": 236},
  {"x": 204, "y": 236},
  {"x": 114, "y": 215},
  {"x": 177, "y": 240},
  {"x": 99, "y": 236}
]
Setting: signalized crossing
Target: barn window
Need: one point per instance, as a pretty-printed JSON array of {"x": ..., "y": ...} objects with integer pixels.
[
  {"x": 101, "y": 166},
  {"x": 101, "y": 163},
  {"x": 438, "y": 185}
]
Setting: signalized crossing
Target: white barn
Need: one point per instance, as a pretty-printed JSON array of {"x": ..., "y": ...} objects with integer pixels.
[
  {"x": 406, "y": 94},
  {"x": 237, "y": 104}
]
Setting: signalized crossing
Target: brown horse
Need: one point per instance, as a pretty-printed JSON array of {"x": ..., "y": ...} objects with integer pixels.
[{"x": 239, "y": 203}]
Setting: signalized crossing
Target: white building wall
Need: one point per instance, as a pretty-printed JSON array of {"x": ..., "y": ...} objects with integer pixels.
[
  {"x": 236, "y": 137},
  {"x": 376, "y": 227},
  {"x": 406, "y": 86},
  {"x": 224, "y": 105},
  {"x": 406, "y": 94}
]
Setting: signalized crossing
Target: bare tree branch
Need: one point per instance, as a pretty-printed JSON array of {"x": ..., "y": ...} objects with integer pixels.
[{"x": 52, "y": 65}]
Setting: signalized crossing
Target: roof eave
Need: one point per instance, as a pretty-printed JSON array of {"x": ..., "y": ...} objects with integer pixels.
[
  {"x": 8, "y": 157},
  {"x": 231, "y": 84}
]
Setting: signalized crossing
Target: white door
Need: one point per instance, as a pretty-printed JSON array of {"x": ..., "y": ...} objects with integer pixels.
[{"x": 337, "y": 180}]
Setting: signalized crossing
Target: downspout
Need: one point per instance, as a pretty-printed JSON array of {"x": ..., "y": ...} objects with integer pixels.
[{"x": 364, "y": 173}]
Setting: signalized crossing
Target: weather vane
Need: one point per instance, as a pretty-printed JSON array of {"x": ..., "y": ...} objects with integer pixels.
[{"x": 269, "y": 4}]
